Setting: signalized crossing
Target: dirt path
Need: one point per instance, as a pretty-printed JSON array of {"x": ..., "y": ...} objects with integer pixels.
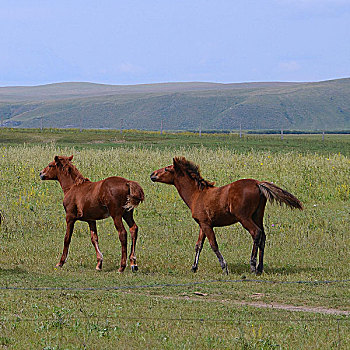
[
  {"x": 258, "y": 304},
  {"x": 318, "y": 309}
]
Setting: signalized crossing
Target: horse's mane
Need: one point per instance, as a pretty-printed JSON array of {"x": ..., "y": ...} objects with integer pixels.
[
  {"x": 192, "y": 170},
  {"x": 70, "y": 169}
]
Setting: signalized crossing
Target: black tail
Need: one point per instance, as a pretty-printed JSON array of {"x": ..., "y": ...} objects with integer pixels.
[
  {"x": 274, "y": 193},
  {"x": 135, "y": 197}
]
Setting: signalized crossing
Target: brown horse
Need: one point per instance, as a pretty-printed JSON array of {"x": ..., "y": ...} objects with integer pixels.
[
  {"x": 89, "y": 201},
  {"x": 241, "y": 201}
]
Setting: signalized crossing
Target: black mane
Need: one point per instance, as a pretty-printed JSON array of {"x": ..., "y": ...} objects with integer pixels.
[
  {"x": 70, "y": 169},
  {"x": 192, "y": 170}
]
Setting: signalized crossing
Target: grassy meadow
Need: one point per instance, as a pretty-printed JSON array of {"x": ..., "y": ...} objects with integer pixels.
[
  {"x": 102, "y": 139},
  {"x": 164, "y": 305}
]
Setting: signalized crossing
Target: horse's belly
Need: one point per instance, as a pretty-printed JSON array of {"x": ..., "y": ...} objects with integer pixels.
[
  {"x": 97, "y": 213},
  {"x": 224, "y": 220}
]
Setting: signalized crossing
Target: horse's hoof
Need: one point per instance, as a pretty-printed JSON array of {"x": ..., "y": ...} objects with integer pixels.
[
  {"x": 99, "y": 266},
  {"x": 225, "y": 270},
  {"x": 59, "y": 265},
  {"x": 134, "y": 268},
  {"x": 259, "y": 272},
  {"x": 194, "y": 268},
  {"x": 121, "y": 269}
]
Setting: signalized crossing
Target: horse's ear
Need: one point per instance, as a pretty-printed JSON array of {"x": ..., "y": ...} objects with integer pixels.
[
  {"x": 70, "y": 158},
  {"x": 175, "y": 163},
  {"x": 57, "y": 159},
  {"x": 177, "y": 167}
]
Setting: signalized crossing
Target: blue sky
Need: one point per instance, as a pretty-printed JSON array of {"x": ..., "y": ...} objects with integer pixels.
[{"x": 149, "y": 41}]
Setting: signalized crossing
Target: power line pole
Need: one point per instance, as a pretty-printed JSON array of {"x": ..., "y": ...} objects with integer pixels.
[
  {"x": 41, "y": 123},
  {"x": 240, "y": 130},
  {"x": 281, "y": 134},
  {"x": 121, "y": 125},
  {"x": 161, "y": 126},
  {"x": 200, "y": 129}
]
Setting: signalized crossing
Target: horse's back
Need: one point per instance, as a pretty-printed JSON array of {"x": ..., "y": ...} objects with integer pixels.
[
  {"x": 235, "y": 190},
  {"x": 115, "y": 182},
  {"x": 114, "y": 188},
  {"x": 99, "y": 191},
  {"x": 244, "y": 196},
  {"x": 242, "y": 186}
]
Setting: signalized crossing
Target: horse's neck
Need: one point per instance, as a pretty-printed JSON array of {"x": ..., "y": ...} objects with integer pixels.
[
  {"x": 66, "y": 182},
  {"x": 187, "y": 189}
]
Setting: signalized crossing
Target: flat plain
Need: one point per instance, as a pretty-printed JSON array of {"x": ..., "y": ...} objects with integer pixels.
[{"x": 164, "y": 305}]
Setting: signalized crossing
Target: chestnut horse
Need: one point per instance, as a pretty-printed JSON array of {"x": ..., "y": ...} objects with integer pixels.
[
  {"x": 89, "y": 201},
  {"x": 241, "y": 201}
]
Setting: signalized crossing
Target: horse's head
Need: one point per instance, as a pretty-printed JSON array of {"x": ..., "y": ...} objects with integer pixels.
[
  {"x": 165, "y": 175},
  {"x": 54, "y": 168}
]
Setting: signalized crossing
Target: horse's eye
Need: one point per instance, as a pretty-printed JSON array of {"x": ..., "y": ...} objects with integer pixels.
[
  {"x": 165, "y": 169},
  {"x": 51, "y": 166}
]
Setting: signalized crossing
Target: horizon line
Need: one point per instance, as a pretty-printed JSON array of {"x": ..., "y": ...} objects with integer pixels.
[{"x": 176, "y": 82}]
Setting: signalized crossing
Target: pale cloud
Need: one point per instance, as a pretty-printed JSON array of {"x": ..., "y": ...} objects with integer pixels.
[
  {"x": 289, "y": 66},
  {"x": 127, "y": 67},
  {"x": 315, "y": 2}
]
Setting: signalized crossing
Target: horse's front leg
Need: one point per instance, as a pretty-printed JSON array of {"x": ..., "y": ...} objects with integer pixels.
[
  {"x": 67, "y": 238},
  {"x": 94, "y": 241},
  {"x": 198, "y": 249},
  {"x": 209, "y": 233},
  {"x": 123, "y": 240}
]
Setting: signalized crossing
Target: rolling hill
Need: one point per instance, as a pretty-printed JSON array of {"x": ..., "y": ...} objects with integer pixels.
[{"x": 182, "y": 106}]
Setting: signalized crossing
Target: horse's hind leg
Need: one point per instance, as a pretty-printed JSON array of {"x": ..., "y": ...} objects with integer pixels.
[
  {"x": 118, "y": 223},
  {"x": 198, "y": 249},
  {"x": 261, "y": 252},
  {"x": 129, "y": 219},
  {"x": 256, "y": 234},
  {"x": 258, "y": 218},
  {"x": 94, "y": 241}
]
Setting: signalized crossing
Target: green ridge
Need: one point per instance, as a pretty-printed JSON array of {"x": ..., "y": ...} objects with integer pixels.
[{"x": 182, "y": 106}]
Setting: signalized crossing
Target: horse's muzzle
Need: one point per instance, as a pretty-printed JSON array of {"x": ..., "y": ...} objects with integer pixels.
[
  {"x": 42, "y": 176},
  {"x": 153, "y": 177}
]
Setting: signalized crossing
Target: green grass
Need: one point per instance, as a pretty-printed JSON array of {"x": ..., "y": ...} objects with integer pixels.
[
  {"x": 75, "y": 320},
  {"x": 102, "y": 139},
  {"x": 309, "y": 245}
]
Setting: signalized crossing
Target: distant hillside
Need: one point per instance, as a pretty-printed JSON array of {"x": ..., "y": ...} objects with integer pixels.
[{"x": 181, "y": 106}]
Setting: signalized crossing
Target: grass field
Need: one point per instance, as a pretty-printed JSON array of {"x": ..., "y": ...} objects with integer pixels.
[
  {"x": 165, "y": 305},
  {"x": 102, "y": 139}
]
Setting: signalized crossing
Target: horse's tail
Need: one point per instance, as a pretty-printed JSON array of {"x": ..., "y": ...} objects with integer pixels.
[
  {"x": 135, "y": 196},
  {"x": 275, "y": 193}
]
